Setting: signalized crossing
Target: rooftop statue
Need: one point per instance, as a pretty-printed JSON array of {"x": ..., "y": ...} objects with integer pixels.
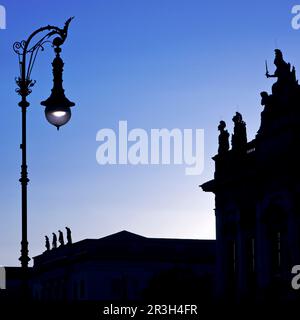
[
  {"x": 54, "y": 241},
  {"x": 286, "y": 78},
  {"x": 223, "y": 138},
  {"x": 239, "y": 137},
  {"x": 47, "y": 244},
  {"x": 285, "y": 94},
  {"x": 282, "y": 71},
  {"x": 61, "y": 238},
  {"x": 266, "y": 101},
  {"x": 69, "y": 235}
]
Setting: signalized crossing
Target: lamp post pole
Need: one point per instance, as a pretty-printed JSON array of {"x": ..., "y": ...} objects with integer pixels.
[
  {"x": 27, "y": 53},
  {"x": 24, "y": 182}
]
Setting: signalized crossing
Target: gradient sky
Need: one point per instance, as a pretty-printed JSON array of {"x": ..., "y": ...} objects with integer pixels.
[{"x": 155, "y": 63}]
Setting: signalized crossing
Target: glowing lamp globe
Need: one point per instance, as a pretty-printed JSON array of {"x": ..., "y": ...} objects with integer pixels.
[{"x": 57, "y": 110}]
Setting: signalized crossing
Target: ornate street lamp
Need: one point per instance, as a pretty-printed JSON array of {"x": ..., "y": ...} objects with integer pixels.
[{"x": 57, "y": 109}]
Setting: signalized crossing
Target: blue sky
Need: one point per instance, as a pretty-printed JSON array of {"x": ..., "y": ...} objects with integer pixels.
[{"x": 155, "y": 63}]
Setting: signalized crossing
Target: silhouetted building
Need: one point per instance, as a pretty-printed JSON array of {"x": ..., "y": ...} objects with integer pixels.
[
  {"x": 257, "y": 197},
  {"x": 125, "y": 266},
  {"x": 257, "y": 208}
]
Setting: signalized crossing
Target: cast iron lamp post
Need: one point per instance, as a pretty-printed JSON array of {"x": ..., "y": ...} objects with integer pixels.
[{"x": 57, "y": 109}]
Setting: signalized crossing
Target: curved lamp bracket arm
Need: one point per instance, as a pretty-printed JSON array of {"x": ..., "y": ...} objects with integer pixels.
[{"x": 25, "y": 49}]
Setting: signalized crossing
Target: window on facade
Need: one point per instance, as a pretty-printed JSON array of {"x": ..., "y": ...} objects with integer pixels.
[
  {"x": 276, "y": 223},
  {"x": 250, "y": 254},
  {"x": 231, "y": 266},
  {"x": 276, "y": 247},
  {"x": 233, "y": 256},
  {"x": 253, "y": 253}
]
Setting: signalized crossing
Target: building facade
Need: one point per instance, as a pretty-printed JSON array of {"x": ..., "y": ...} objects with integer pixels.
[
  {"x": 125, "y": 267},
  {"x": 257, "y": 197}
]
